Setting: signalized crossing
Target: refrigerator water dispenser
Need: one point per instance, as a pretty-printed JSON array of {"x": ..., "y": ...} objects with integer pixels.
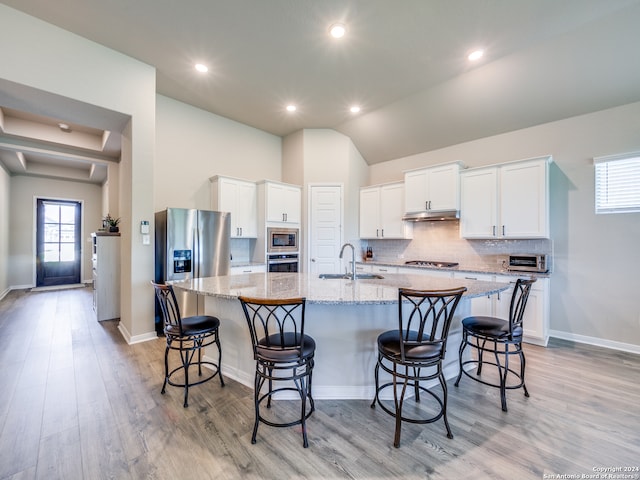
[{"x": 182, "y": 261}]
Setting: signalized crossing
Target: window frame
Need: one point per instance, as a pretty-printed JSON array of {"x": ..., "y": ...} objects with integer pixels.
[{"x": 611, "y": 195}]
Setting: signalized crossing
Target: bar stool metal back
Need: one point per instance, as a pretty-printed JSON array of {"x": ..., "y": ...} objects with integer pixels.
[
  {"x": 284, "y": 356},
  {"x": 188, "y": 336},
  {"x": 413, "y": 356},
  {"x": 501, "y": 338}
]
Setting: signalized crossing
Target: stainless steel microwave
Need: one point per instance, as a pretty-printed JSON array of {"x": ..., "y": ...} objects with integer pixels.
[
  {"x": 282, "y": 240},
  {"x": 528, "y": 263}
]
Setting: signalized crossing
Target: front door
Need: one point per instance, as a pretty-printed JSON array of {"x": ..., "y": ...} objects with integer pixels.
[{"x": 57, "y": 242}]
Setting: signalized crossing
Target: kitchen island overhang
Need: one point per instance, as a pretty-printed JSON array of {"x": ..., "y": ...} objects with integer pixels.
[{"x": 344, "y": 317}]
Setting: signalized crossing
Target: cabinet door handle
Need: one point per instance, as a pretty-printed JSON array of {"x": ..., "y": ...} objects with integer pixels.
[
  {"x": 377, "y": 235},
  {"x": 503, "y": 234},
  {"x": 426, "y": 204},
  {"x": 494, "y": 230},
  {"x": 382, "y": 232}
]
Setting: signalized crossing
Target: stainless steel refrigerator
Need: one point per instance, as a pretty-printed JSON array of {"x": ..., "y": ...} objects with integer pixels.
[{"x": 190, "y": 244}]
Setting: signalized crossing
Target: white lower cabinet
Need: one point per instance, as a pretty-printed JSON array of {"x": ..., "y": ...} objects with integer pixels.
[
  {"x": 536, "y": 314},
  {"x": 426, "y": 272},
  {"x": 240, "y": 270},
  {"x": 106, "y": 275},
  {"x": 381, "y": 269},
  {"x": 481, "y": 306}
]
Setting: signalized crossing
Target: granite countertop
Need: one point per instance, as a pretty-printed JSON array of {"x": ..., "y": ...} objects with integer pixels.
[
  {"x": 486, "y": 269},
  {"x": 330, "y": 291}
]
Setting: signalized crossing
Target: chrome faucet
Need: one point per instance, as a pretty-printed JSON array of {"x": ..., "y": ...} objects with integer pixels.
[{"x": 353, "y": 258}]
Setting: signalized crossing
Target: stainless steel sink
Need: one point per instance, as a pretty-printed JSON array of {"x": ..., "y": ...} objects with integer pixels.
[
  {"x": 368, "y": 276},
  {"x": 335, "y": 275},
  {"x": 343, "y": 276}
]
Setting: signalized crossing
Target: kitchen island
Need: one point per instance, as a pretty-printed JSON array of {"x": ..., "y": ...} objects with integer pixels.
[{"x": 344, "y": 317}]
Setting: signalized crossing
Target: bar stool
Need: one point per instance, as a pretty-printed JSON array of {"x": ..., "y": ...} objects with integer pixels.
[
  {"x": 500, "y": 338},
  {"x": 188, "y": 335},
  {"x": 414, "y": 352},
  {"x": 284, "y": 355}
]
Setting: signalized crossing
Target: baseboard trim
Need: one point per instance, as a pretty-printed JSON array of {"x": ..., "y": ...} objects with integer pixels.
[
  {"x": 598, "y": 342},
  {"x": 133, "y": 339}
]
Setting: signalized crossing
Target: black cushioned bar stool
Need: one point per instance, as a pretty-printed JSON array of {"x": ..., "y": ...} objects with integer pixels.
[
  {"x": 284, "y": 356},
  {"x": 500, "y": 338},
  {"x": 188, "y": 336},
  {"x": 413, "y": 354}
]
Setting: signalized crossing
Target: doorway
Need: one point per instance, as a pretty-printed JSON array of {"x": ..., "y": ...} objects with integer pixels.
[
  {"x": 57, "y": 242},
  {"x": 325, "y": 228}
]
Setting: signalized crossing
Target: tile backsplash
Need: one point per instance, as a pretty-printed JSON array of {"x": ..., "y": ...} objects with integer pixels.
[{"x": 441, "y": 241}]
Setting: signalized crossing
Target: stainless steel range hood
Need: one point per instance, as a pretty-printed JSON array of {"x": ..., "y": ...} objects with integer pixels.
[{"x": 429, "y": 216}]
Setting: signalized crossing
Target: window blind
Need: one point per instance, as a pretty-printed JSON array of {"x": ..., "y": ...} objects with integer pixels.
[{"x": 617, "y": 183}]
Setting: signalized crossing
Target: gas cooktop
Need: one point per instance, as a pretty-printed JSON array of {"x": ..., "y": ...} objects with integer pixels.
[{"x": 431, "y": 263}]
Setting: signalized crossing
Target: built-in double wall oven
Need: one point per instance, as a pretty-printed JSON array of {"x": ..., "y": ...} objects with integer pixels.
[{"x": 282, "y": 249}]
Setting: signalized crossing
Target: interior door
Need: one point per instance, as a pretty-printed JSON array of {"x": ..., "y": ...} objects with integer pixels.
[
  {"x": 57, "y": 242},
  {"x": 325, "y": 228}
]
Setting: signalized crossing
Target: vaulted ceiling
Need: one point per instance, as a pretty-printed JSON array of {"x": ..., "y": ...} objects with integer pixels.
[{"x": 402, "y": 61}]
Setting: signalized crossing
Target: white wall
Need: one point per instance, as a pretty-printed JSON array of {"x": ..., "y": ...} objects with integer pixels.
[
  {"x": 595, "y": 281},
  {"x": 22, "y": 223},
  {"x": 330, "y": 156},
  {"x": 4, "y": 232},
  {"x": 319, "y": 155},
  {"x": 193, "y": 145},
  {"x": 82, "y": 70}
]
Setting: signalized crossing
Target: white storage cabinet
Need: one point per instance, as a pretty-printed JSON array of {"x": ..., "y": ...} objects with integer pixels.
[
  {"x": 106, "y": 275},
  {"x": 506, "y": 201},
  {"x": 240, "y": 270},
  {"x": 240, "y": 198},
  {"x": 536, "y": 314},
  {"x": 381, "y": 211},
  {"x": 282, "y": 203},
  {"x": 535, "y": 324},
  {"x": 433, "y": 189}
]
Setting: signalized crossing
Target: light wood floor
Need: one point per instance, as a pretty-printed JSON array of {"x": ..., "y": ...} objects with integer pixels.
[{"x": 76, "y": 402}]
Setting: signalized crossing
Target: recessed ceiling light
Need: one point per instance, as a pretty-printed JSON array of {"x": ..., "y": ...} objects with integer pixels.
[
  {"x": 337, "y": 30},
  {"x": 355, "y": 109},
  {"x": 476, "y": 55},
  {"x": 64, "y": 127},
  {"x": 291, "y": 108},
  {"x": 202, "y": 68}
]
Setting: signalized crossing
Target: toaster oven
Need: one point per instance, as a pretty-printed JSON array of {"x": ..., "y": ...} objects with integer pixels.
[{"x": 537, "y": 263}]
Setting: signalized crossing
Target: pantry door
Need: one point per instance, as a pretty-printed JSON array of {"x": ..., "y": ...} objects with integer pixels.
[
  {"x": 325, "y": 228},
  {"x": 57, "y": 242}
]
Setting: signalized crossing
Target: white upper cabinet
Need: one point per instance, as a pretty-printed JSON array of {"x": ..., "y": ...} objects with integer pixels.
[
  {"x": 432, "y": 189},
  {"x": 240, "y": 198},
  {"x": 506, "y": 201},
  {"x": 381, "y": 211},
  {"x": 282, "y": 202}
]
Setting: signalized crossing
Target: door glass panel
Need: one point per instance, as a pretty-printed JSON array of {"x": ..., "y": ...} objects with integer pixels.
[
  {"x": 51, "y": 252},
  {"x": 67, "y": 214},
  {"x": 67, "y": 233},
  {"x": 67, "y": 252},
  {"x": 51, "y": 213},
  {"x": 59, "y": 233},
  {"x": 51, "y": 232}
]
